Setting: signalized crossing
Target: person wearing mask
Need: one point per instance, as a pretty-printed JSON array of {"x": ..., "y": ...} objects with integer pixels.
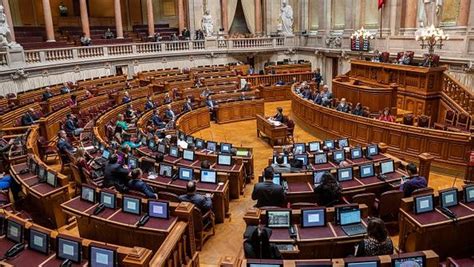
[
  {"x": 358, "y": 110},
  {"x": 121, "y": 123},
  {"x": 64, "y": 147},
  {"x": 279, "y": 115},
  {"x": 169, "y": 113},
  {"x": 280, "y": 166},
  {"x": 377, "y": 241},
  {"x": 47, "y": 94},
  {"x": 149, "y": 103},
  {"x": 343, "y": 106},
  {"x": 71, "y": 127},
  {"x": 29, "y": 118},
  {"x": 187, "y": 106},
  {"x": 386, "y": 116},
  {"x": 137, "y": 184},
  {"x": 204, "y": 203},
  {"x": 115, "y": 174},
  {"x": 413, "y": 182},
  {"x": 329, "y": 191},
  {"x": 267, "y": 193},
  {"x": 258, "y": 246}
]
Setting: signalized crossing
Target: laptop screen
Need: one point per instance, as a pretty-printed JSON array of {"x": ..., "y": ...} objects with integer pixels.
[
  {"x": 14, "y": 231},
  {"x": 278, "y": 218},
  {"x": 39, "y": 241},
  {"x": 41, "y": 173},
  {"x": 356, "y": 153},
  {"x": 189, "y": 139},
  {"x": 386, "y": 167},
  {"x": 166, "y": 170},
  {"x": 158, "y": 209},
  {"x": 423, "y": 204},
  {"x": 469, "y": 194},
  {"x": 174, "y": 152},
  {"x": 151, "y": 145},
  {"x": 161, "y": 148},
  {"x": 108, "y": 199},
  {"x": 102, "y": 257},
  {"x": 349, "y": 216},
  {"x": 313, "y": 217},
  {"x": 343, "y": 143},
  {"x": 344, "y": 174},
  {"x": 188, "y": 155},
  {"x": 199, "y": 143},
  {"x": 208, "y": 176},
  {"x": 51, "y": 179},
  {"x": 131, "y": 205},
  {"x": 212, "y": 146},
  {"x": 225, "y": 160},
  {"x": 105, "y": 154},
  {"x": 132, "y": 162},
  {"x": 88, "y": 194},
  {"x": 318, "y": 176},
  {"x": 418, "y": 261},
  {"x": 372, "y": 150},
  {"x": 68, "y": 249},
  {"x": 185, "y": 174},
  {"x": 314, "y": 146},
  {"x": 362, "y": 264},
  {"x": 321, "y": 158},
  {"x": 303, "y": 158},
  {"x": 366, "y": 170},
  {"x": 449, "y": 198},
  {"x": 338, "y": 155},
  {"x": 329, "y": 144},
  {"x": 300, "y": 148},
  {"x": 226, "y": 148},
  {"x": 277, "y": 178}
]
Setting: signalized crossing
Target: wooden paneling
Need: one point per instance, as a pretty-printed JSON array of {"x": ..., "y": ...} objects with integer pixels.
[{"x": 239, "y": 110}]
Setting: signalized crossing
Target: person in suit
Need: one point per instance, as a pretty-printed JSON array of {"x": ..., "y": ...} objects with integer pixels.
[
  {"x": 267, "y": 193},
  {"x": 307, "y": 93},
  {"x": 186, "y": 33},
  {"x": 404, "y": 59},
  {"x": 280, "y": 166},
  {"x": 169, "y": 113},
  {"x": 149, "y": 103},
  {"x": 343, "y": 106},
  {"x": 413, "y": 182},
  {"x": 279, "y": 114},
  {"x": 167, "y": 99},
  {"x": 64, "y": 147},
  {"x": 65, "y": 89},
  {"x": 212, "y": 106},
  {"x": 325, "y": 96},
  {"x": 328, "y": 193},
  {"x": 47, "y": 94},
  {"x": 426, "y": 61},
  {"x": 377, "y": 242},
  {"x": 137, "y": 184},
  {"x": 317, "y": 78},
  {"x": 71, "y": 126},
  {"x": 130, "y": 113},
  {"x": 358, "y": 110},
  {"x": 126, "y": 98},
  {"x": 258, "y": 246},
  {"x": 109, "y": 34},
  {"x": 115, "y": 174},
  {"x": 204, "y": 203},
  {"x": 29, "y": 118},
  {"x": 187, "y": 106},
  {"x": 156, "y": 120},
  {"x": 205, "y": 93}
]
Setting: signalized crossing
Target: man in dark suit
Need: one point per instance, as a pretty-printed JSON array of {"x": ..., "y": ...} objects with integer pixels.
[
  {"x": 343, "y": 106},
  {"x": 186, "y": 33},
  {"x": 156, "y": 119},
  {"x": 149, "y": 104},
  {"x": 267, "y": 193},
  {"x": 29, "y": 118},
  {"x": 212, "y": 106},
  {"x": 47, "y": 94},
  {"x": 167, "y": 99},
  {"x": 204, "y": 203},
  {"x": 169, "y": 113},
  {"x": 115, "y": 174},
  {"x": 137, "y": 184},
  {"x": 317, "y": 78},
  {"x": 70, "y": 126},
  {"x": 188, "y": 106},
  {"x": 64, "y": 147},
  {"x": 279, "y": 115}
]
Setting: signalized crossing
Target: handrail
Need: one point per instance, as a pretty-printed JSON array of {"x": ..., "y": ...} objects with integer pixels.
[{"x": 458, "y": 93}]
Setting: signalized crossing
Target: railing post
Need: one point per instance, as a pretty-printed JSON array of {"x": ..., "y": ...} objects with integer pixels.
[
  {"x": 191, "y": 45},
  {"x": 163, "y": 47},
  {"x": 75, "y": 53},
  {"x": 274, "y": 42},
  {"x": 106, "y": 51},
  {"x": 42, "y": 55},
  {"x": 134, "y": 49}
]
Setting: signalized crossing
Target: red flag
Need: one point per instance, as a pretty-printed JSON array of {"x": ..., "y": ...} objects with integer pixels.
[{"x": 381, "y": 3}]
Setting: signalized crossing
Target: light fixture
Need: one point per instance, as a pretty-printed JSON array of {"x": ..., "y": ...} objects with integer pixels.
[
  {"x": 363, "y": 34},
  {"x": 431, "y": 37}
]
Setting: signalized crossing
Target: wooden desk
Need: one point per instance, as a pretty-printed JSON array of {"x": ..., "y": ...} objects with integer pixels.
[
  {"x": 239, "y": 111},
  {"x": 194, "y": 121},
  {"x": 272, "y": 93},
  {"x": 276, "y": 134}
]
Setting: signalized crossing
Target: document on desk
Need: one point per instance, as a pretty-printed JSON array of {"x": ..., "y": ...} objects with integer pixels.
[{"x": 87, "y": 148}]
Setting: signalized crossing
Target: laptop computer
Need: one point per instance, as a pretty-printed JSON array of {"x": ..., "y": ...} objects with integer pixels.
[
  {"x": 351, "y": 222},
  {"x": 103, "y": 158}
]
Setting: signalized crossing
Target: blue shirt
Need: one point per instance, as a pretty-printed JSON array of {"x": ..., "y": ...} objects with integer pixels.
[{"x": 411, "y": 185}]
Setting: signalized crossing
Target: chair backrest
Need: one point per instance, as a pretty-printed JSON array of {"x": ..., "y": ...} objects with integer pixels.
[
  {"x": 300, "y": 205},
  {"x": 463, "y": 121},
  {"x": 408, "y": 119},
  {"x": 367, "y": 199},
  {"x": 291, "y": 126},
  {"x": 450, "y": 118},
  {"x": 451, "y": 262},
  {"x": 76, "y": 174},
  {"x": 422, "y": 191},
  {"x": 168, "y": 196},
  {"x": 385, "y": 57},
  {"x": 424, "y": 121},
  {"x": 389, "y": 204},
  {"x": 197, "y": 220}
]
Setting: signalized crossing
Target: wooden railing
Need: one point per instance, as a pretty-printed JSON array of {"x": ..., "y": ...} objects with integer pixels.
[{"x": 458, "y": 93}]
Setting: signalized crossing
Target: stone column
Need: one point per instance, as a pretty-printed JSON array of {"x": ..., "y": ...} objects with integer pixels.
[
  {"x": 150, "y": 19},
  {"x": 258, "y": 16},
  {"x": 224, "y": 16},
  {"x": 464, "y": 12},
  {"x": 85, "y": 18},
  {"x": 181, "y": 18},
  {"x": 118, "y": 19},
  {"x": 8, "y": 13},
  {"x": 410, "y": 14},
  {"x": 48, "y": 21}
]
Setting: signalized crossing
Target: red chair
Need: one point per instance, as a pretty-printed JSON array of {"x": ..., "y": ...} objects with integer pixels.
[
  {"x": 451, "y": 262},
  {"x": 424, "y": 121},
  {"x": 47, "y": 149},
  {"x": 408, "y": 119},
  {"x": 367, "y": 199},
  {"x": 388, "y": 205},
  {"x": 290, "y": 131}
]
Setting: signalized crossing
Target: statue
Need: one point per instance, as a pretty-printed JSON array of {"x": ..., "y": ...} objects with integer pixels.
[
  {"x": 207, "y": 24},
  {"x": 5, "y": 34},
  {"x": 286, "y": 16},
  {"x": 426, "y": 15},
  {"x": 63, "y": 11}
]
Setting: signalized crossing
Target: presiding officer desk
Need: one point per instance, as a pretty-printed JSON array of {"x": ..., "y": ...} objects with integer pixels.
[{"x": 276, "y": 134}]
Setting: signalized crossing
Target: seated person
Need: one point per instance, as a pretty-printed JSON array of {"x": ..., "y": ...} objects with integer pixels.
[
  {"x": 280, "y": 82},
  {"x": 328, "y": 192},
  {"x": 258, "y": 246},
  {"x": 64, "y": 147},
  {"x": 115, "y": 174},
  {"x": 126, "y": 98},
  {"x": 81, "y": 160},
  {"x": 377, "y": 56},
  {"x": 65, "y": 89},
  {"x": 137, "y": 184},
  {"x": 71, "y": 127},
  {"x": 413, "y": 182},
  {"x": 130, "y": 113},
  {"x": 121, "y": 122},
  {"x": 343, "y": 106},
  {"x": 205, "y": 93},
  {"x": 109, "y": 34},
  {"x": 307, "y": 94},
  {"x": 377, "y": 241},
  {"x": 85, "y": 40},
  {"x": 279, "y": 115},
  {"x": 325, "y": 97},
  {"x": 7, "y": 182},
  {"x": 386, "y": 116},
  {"x": 426, "y": 61},
  {"x": 72, "y": 101},
  {"x": 29, "y": 118},
  {"x": 280, "y": 166},
  {"x": 169, "y": 113},
  {"x": 156, "y": 120},
  {"x": 127, "y": 142},
  {"x": 405, "y": 59},
  {"x": 149, "y": 104},
  {"x": 267, "y": 193},
  {"x": 187, "y": 106},
  {"x": 167, "y": 99},
  {"x": 47, "y": 94},
  {"x": 204, "y": 203},
  {"x": 358, "y": 110}
]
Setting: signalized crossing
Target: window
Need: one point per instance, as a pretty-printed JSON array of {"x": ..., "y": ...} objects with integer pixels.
[{"x": 315, "y": 6}]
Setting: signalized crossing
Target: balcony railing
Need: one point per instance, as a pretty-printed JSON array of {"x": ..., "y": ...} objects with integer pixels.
[{"x": 45, "y": 56}]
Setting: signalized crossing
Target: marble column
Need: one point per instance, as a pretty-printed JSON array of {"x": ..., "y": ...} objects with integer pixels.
[
  {"x": 48, "y": 21},
  {"x": 410, "y": 14},
  {"x": 464, "y": 12},
  {"x": 150, "y": 19},
  {"x": 84, "y": 18},
  {"x": 8, "y": 13},
  {"x": 181, "y": 18},
  {"x": 258, "y": 16},
  {"x": 224, "y": 16},
  {"x": 118, "y": 19}
]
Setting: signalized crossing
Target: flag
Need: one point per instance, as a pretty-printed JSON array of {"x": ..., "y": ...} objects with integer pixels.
[{"x": 381, "y": 3}]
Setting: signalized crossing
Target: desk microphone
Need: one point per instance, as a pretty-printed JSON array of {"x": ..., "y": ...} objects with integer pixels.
[
  {"x": 66, "y": 263},
  {"x": 99, "y": 209},
  {"x": 143, "y": 220},
  {"x": 14, "y": 250}
]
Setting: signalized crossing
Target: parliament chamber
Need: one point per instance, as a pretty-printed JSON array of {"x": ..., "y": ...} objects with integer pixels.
[{"x": 253, "y": 133}]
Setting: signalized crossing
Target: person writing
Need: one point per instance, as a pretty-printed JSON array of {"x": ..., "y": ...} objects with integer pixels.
[{"x": 279, "y": 115}]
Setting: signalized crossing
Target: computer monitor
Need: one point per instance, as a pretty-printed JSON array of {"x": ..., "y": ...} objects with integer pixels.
[
  {"x": 189, "y": 139},
  {"x": 199, "y": 143},
  {"x": 349, "y": 216},
  {"x": 161, "y": 148},
  {"x": 41, "y": 172},
  {"x": 105, "y": 154},
  {"x": 313, "y": 217},
  {"x": 68, "y": 249},
  {"x": 101, "y": 147},
  {"x": 338, "y": 155},
  {"x": 356, "y": 153},
  {"x": 387, "y": 167},
  {"x": 108, "y": 199},
  {"x": 344, "y": 174},
  {"x": 366, "y": 170},
  {"x": 158, "y": 209},
  {"x": 152, "y": 145},
  {"x": 416, "y": 261},
  {"x": 318, "y": 176},
  {"x": 242, "y": 152},
  {"x": 102, "y": 257},
  {"x": 264, "y": 264},
  {"x": 166, "y": 170},
  {"x": 362, "y": 263},
  {"x": 448, "y": 198},
  {"x": 329, "y": 144},
  {"x": 174, "y": 151},
  {"x": 313, "y": 263},
  {"x": 188, "y": 154},
  {"x": 285, "y": 159},
  {"x": 88, "y": 193},
  {"x": 277, "y": 178},
  {"x": 225, "y": 160},
  {"x": 469, "y": 194},
  {"x": 300, "y": 148},
  {"x": 211, "y": 146},
  {"x": 342, "y": 143},
  {"x": 132, "y": 162},
  {"x": 372, "y": 150},
  {"x": 131, "y": 205},
  {"x": 226, "y": 148},
  {"x": 422, "y": 204},
  {"x": 278, "y": 218},
  {"x": 314, "y": 146},
  {"x": 181, "y": 135},
  {"x": 51, "y": 179},
  {"x": 14, "y": 231},
  {"x": 208, "y": 176},
  {"x": 38, "y": 241},
  {"x": 185, "y": 174},
  {"x": 320, "y": 158},
  {"x": 303, "y": 158}
]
